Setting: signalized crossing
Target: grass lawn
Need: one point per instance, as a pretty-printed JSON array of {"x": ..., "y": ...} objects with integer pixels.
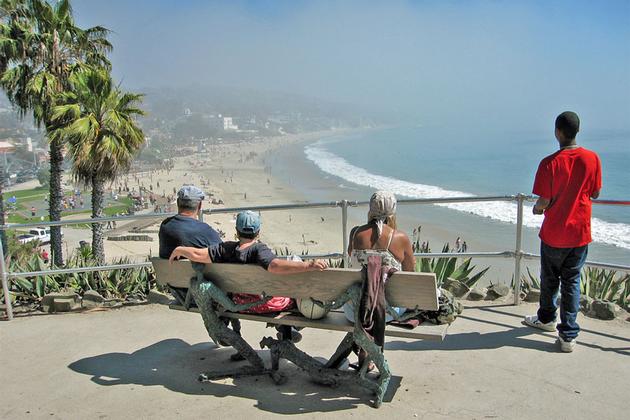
[
  {"x": 120, "y": 206},
  {"x": 31, "y": 194},
  {"x": 38, "y": 193}
]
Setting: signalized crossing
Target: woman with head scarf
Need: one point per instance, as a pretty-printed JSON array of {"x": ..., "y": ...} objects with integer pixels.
[
  {"x": 381, "y": 250},
  {"x": 379, "y": 235}
]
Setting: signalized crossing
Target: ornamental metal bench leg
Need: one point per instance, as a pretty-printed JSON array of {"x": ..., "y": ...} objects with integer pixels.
[
  {"x": 278, "y": 377},
  {"x": 376, "y": 355},
  {"x": 315, "y": 369},
  {"x": 178, "y": 295},
  {"x": 374, "y": 352},
  {"x": 343, "y": 351},
  {"x": 221, "y": 334},
  {"x": 188, "y": 299}
]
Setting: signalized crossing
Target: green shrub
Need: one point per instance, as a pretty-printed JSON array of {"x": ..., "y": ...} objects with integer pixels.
[
  {"x": 528, "y": 282},
  {"x": 447, "y": 267},
  {"x": 607, "y": 285},
  {"x": 121, "y": 284},
  {"x": 596, "y": 283}
]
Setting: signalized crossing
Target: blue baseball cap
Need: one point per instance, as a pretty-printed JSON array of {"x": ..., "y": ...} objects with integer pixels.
[
  {"x": 248, "y": 222},
  {"x": 190, "y": 192}
]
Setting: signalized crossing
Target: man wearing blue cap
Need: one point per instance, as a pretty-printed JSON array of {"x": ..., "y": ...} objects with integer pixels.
[
  {"x": 248, "y": 250},
  {"x": 185, "y": 228}
]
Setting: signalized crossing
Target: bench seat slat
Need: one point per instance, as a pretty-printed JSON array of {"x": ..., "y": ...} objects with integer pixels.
[
  {"x": 404, "y": 289},
  {"x": 335, "y": 321}
]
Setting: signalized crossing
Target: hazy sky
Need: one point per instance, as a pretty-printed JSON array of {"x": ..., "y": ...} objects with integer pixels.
[{"x": 479, "y": 62}]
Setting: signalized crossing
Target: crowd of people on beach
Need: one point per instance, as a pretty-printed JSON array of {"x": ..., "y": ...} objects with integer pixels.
[{"x": 425, "y": 247}]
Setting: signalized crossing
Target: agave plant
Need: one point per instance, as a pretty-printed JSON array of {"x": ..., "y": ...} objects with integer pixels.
[
  {"x": 32, "y": 288},
  {"x": 81, "y": 282},
  {"x": 596, "y": 283},
  {"x": 128, "y": 282},
  {"x": 24, "y": 258},
  {"x": 121, "y": 284},
  {"x": 606, "y": 285},
  {"x": 624, "y": 298},
  {"x": 447, "y": 267},
  {"x": 528, "y": 282}
]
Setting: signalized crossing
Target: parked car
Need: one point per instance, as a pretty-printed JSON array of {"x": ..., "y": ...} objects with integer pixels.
[
  {"x": 43, "y": 235},
  {"x": 37, "y": 234},
  {"x": 25, "y": 238}
]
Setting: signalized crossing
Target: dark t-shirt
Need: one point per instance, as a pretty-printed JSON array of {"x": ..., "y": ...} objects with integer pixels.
[
  {"x": 229, "y": 252},
  {"x": 186, "y": 231}
]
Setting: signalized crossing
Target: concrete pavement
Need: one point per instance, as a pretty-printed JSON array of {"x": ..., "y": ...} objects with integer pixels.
[{"x": 142, "y": 362}]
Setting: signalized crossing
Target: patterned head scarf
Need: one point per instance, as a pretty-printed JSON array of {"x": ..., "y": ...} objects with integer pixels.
[{"x": 382, "y": 205}]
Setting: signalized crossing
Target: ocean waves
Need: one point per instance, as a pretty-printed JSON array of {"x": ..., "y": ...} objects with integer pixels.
[{"x": 617, "y": 234}]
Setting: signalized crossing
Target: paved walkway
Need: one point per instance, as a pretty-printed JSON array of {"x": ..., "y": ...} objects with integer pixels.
[{"x": 142, "y": 362}]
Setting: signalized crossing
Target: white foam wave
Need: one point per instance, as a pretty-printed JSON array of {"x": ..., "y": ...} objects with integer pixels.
[{"x": 605, "y": 232}]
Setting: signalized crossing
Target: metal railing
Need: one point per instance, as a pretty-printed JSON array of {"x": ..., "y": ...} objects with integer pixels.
[{"x": 517, "y": 253}]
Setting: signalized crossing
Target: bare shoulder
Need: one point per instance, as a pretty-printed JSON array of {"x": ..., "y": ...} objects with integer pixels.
[{"x": 399, "y": 235}]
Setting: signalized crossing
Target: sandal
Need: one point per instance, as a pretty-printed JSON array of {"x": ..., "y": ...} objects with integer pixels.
[{"x": 357, "y": 366}]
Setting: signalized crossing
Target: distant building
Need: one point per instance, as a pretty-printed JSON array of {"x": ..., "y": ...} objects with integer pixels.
[
  {"x": 228, "y": 124},
  {"x": 6, "y": 147}
]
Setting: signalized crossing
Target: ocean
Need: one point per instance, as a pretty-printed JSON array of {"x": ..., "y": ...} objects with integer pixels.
[{"x": 428, "y": 162}]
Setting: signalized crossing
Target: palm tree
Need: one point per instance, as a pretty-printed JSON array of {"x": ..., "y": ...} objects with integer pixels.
[
  {"x": 3, "y": 233},
  {"x": 98, "y": 121},
  {"x": 40, "y": 49}
]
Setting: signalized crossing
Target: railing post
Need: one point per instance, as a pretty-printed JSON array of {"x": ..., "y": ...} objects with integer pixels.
[
  {"x": 344, "y": 229},
  {"x": 5, "y": 284},
  {"x": 518, "y": 251}
]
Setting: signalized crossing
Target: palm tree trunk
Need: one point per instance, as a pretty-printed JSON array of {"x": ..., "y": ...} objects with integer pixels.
[
  {"x": 56, "y": 194},
  {"x": 98, "y": 194},
  {"x": 3, "y": 233}
]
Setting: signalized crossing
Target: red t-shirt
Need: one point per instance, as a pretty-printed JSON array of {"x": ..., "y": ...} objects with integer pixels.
[{"x": 568, "y": 178}]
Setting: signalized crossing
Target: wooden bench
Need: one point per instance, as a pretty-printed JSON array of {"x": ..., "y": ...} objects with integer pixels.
[{"x": 208, "y": 285}]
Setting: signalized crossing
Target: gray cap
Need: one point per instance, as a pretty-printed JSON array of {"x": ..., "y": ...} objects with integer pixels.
[{"x": 190, "y": 192}]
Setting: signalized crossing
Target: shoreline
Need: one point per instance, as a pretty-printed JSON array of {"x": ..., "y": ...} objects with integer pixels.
[
  {"x": 240, "y": 174},
  {"x": 275, "y": 171}
]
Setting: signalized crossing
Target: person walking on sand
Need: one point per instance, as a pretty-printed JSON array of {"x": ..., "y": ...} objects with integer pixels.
[{"x": 565, "y": 183}]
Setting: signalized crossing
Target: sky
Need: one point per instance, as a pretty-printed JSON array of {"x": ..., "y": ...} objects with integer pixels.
[{"x": 499, "y": 63}]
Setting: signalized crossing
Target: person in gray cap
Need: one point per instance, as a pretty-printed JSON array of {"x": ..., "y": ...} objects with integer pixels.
[
  {"x": 249, "y": 250},
  {"x": 185, "y": 228}
]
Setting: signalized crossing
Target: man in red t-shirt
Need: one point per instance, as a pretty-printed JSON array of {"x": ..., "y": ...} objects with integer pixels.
[{"x": 565, "y": 183}]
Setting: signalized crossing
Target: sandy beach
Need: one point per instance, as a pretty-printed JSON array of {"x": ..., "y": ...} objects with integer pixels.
[
  {"x": 238, "y": 174},
  {"x": 266, "y": 171},
  {"x": 273, "y": 170},
  {"x": 248, "y": 173}
]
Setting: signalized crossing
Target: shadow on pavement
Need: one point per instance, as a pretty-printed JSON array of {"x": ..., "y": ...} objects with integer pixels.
[
  {"x": 586, "y": 330},
  {"x": 512, "y": 336},
  {"x": 175, "y": 365}
]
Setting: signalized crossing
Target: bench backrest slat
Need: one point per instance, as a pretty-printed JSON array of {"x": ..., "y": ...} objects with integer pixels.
[{"x": 404, "y": 289}]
